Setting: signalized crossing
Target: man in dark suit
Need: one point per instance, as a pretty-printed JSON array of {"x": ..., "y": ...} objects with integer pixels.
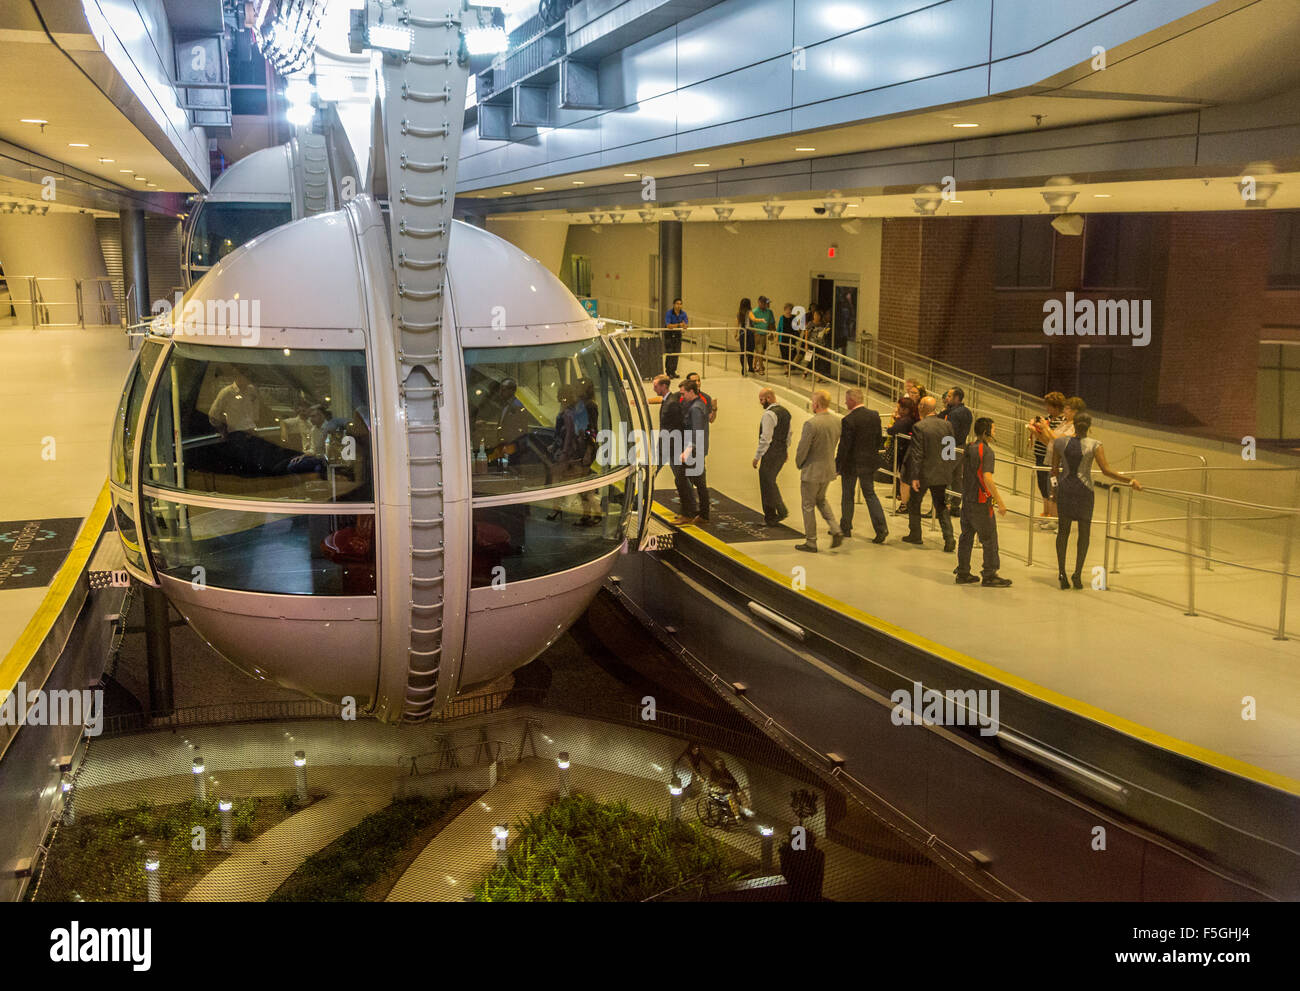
[
  {"x": 930, "y": 461},
  {"x": 856, "y": 460}
]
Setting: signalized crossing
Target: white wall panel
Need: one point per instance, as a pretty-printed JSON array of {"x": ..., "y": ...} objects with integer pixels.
[
  {"x": 731, "y": 36},
  {"x": 816, "y": 21}
]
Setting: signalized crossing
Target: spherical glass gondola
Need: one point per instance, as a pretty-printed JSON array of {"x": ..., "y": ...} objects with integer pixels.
[{"x": 259, "y": 466}]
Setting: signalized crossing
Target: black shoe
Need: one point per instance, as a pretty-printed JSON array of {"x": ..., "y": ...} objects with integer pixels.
[
  {"x": 909, "y": 539},
  {"x": 771, "y": 522},
  {"x": 845, "y": 531},
  {"x": 949, "y": 546},
  {"x": 837, "y": 539},
  {"x": 995, "y": 581},
  {"x": 967, "y": 579},
  {"x": 782, "y": 515},
  {"x": 1078, "y": 582},
  {"x": 1065, "y": 582},
  {"x": 879, "y": 538},
  {"x": 805, "y": 547}
]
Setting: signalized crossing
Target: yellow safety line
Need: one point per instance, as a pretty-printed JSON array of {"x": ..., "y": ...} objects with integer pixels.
[
  {"x": 1230, "y": 764},
  {"x": 56, "y": 596}
]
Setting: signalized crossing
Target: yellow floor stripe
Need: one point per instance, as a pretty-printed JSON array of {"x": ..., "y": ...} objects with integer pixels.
[
  {"x": 42, "y": 622},
  {"x": 1225, "y": 763}
]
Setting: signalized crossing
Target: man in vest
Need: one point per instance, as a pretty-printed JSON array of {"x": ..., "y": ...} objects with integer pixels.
[
  {"x": 978, "y": 498},
  {"x": 769, "y": 459}
]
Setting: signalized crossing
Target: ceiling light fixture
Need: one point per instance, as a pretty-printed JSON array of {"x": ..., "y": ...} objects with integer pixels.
[
  {"x": 773, "y": 210},
  {"x": 835, "y": 210},
  {"x": 539, "y": 189},
  {"x": 805, "y": 149},
  {"x": 965, "y": 125},
  {"x": 77, "y": 144},
  {"x": 683, "y": 214},
  {"x": 578, "y": 182},
  {"x": 1101, "y": 196},
  {"x": 927, "y": 200},
  {"x": 615, "y": 218},
  {"x": 724, "y": 212},
  {"x": 33, "y": 120},
  {"x": 106, "y": 161},
  {"x": 699, "y": 165}
]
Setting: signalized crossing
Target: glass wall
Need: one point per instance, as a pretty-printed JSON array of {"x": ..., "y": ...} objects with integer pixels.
[
  {"x": 537, "y": 415},
  {"x": 128, "y": 412},
  {"x": 285, "y": 425},
  {"x": 528, "y": 540},
  {"x": 284, "y": 554}
]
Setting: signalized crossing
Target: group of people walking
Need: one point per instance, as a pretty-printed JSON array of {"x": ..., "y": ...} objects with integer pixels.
[
  {"x": 685, "y": 417},
  {"x": 939, "y": 448}
]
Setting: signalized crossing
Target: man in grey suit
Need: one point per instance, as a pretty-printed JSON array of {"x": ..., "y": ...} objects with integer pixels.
[
  {"x": 930, "y": 462},
  {"x": 815, "y": 459}
]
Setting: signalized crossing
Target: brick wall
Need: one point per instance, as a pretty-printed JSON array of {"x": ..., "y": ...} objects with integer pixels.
[
  {"x": 956, "y": 308},
  {"x": 900, "y": 282},
  {"x": 1214, "y": 309}
]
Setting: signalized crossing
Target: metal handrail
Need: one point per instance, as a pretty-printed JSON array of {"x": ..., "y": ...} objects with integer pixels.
[
  {"x": 841, "y": 370},
  {"x": 40, "y": 306}
]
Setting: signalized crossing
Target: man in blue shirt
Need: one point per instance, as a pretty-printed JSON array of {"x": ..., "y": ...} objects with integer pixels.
[{"x": 676, "y": 321}]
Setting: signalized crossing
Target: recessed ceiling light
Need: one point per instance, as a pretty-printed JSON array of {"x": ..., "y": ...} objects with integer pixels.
[
  {"x": 578, "y": 182},
  {"x": 127, "y": 171},
  {"x": 1101, "y": 196},
  {"x": 539, "y": 188},
  {"x": 965, "y": 125},
  {"x": 956, "y": 201},
  {"x": 77, "y": 144},
  {"x": 153, "y": 185},
  {"x": 699, "y": 165},
  {"x": 33, "y": 120},
  {"x": 105, "y": 161},
  {"x": 507, "y": 193},
  {"x": 805, "y": 149},
  {"x": 631, "y": 175},
  {"x": 141, "y": 178}
]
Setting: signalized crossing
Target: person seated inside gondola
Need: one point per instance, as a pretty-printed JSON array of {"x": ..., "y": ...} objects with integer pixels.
[{"x": 236, "y": 414}]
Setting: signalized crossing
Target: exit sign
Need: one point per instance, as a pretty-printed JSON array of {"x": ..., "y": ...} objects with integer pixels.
[{"x": 830, "y": 252}]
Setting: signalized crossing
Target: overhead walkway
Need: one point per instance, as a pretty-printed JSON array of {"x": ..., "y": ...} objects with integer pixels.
[{"x": 1146, "y": 700}]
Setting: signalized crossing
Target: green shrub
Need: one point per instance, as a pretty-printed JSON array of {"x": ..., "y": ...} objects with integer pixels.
[
  {"x": 361, "y": 856},
  {"x": 582, "y": 850}
]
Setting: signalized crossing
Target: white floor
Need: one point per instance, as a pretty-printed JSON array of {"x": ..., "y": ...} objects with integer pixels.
[
  {"x": 1139, "y": 660},
  {"x": 62, "y": 385}
]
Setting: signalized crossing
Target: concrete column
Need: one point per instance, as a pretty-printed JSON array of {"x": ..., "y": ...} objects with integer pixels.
[
  {"x": 670, "y": 263},
  {"x": 158, "y": 651},
  {"x": 135, "y": 266}
]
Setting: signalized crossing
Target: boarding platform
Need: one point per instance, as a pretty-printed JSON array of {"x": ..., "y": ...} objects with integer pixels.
[{"x": 1108, "y": 697}]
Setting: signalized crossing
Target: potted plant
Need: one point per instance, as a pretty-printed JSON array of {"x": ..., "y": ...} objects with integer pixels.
[{"x": 802, "y": 864}]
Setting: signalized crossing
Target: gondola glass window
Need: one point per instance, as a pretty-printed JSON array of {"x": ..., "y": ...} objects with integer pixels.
[
  {"x": 261, "y": 424},
  {"x": 220, "y": 228},
  {"x": 545, "y": 416}
]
